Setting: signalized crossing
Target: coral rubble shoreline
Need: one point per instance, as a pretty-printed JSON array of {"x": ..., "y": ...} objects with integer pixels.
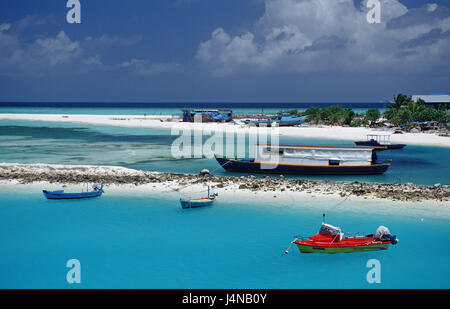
[{"x": 73, "y": 174}]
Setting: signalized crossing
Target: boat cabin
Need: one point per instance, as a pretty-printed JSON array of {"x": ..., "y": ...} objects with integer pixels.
[
  {"x": 317, "y": 155},
  {"x": 381, "y": 139}
]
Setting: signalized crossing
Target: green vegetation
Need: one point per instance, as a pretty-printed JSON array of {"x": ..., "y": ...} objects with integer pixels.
[
  {"x": 334, "y": 115},
  {"x": 401, "y": 111},
  {"x": 372, "y": 115},
  {"x": 404, "y": 110}
]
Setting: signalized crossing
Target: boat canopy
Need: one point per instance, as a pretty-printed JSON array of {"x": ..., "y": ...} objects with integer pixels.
[
  {"x": 320, "y": 155},
  {"x": 330, "y": 230},
  {"x": 381, "y": 139}
]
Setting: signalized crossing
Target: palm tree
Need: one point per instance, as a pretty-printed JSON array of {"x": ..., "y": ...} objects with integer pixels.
[
  {"x": 415, "y": 107},
  {"x": 400, "y": 100}
]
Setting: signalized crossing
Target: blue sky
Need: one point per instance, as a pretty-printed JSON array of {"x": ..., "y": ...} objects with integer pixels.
[{"x": 223, "y": 51}]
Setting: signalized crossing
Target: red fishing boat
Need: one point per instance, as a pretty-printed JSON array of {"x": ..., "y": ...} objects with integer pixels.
[{"x": 331, "y": 239}]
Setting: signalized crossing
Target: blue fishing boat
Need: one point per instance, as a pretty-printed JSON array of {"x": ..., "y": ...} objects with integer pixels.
[
  {"x": 282, "y": 120},
  {"x": 61, "y": 195},
  {"x": 208, "y": 115},
  {"x": 199, "y": 202},
  {"x": 308, "y": 160}
]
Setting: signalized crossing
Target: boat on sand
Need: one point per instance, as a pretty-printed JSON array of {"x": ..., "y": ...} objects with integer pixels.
[{"x": 281, "y": 120}]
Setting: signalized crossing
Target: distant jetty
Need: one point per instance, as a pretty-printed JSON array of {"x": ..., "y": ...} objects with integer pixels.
[{"x": 72, "y": 174}]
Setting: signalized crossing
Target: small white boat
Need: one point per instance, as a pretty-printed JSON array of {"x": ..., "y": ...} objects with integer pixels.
[{"x": 199, "y": 202}]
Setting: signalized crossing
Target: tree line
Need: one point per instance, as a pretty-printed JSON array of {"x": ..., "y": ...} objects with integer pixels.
[{"x": 401, "y": 111}]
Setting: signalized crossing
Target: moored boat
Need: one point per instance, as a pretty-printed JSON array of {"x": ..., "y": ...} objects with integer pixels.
[
  {"x": 61, "y": 195},
  {"x": 308, "y": 160},
  {"x": 382, "y": 141},
  {"x": 199, "y": 202},
  {"x": 331, "y": 239}
]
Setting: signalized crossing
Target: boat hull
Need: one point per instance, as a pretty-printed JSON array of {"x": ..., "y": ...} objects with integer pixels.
[
  {"x": 194, "y": 203},
  {"x": 55, "y": 195},
  {"x": 343, "y": 249},
  {"x": 255, "y": 167},
  {"x": 277, "y": 122},
  {"x": 375, "y": 144}
]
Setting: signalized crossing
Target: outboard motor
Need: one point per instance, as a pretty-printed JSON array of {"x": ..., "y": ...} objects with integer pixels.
[
  {"x": 394, "y": 240},
  {"x": 384, "y": 234}
]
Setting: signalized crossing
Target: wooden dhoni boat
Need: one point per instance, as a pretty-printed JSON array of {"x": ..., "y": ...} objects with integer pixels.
[
  {"x": 308, "y": 160},
  {"x": 382, "y": 141},
  {"x": 61, "y": 195}
]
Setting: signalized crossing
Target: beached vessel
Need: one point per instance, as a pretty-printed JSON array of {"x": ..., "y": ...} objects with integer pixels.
[
  {"x": 331, "y": 239},
  {"x": 199, "y": 202},
  {"x": 382, "y": 141},
  {"x": 207, "y": 115},
  {"x": 61, "y": 195},
  {"x": 308, "y": 160},
  {"x": 282, "y": 120}
]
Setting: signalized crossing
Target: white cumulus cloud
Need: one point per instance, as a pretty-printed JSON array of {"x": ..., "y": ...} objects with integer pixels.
[{"x": 320, "y": 35}]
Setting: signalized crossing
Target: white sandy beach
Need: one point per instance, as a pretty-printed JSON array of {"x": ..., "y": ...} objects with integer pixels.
[
  {"x": 229, "y": 194},
  {"x": 329, "y": 203},
  {"x": 169, "y": 123}
]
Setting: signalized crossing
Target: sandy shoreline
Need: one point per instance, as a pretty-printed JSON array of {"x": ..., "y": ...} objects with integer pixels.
[
  {"x": 322, "y": 201},
  {"x": 194, "y": 185},
  {"x": 169, "y": 123}
]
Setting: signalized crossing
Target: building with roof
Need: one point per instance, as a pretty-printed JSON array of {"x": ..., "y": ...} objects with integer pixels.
[{"x": 436, "y": 101}]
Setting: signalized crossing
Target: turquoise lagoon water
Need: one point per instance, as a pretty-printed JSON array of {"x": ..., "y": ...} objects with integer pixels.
[
  {"x": 150, "y": 149},
  {"x": 148, "y": 241}
]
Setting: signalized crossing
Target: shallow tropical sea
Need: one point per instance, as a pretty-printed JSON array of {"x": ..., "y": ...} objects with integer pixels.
[
  {"x": 128, "y": 239},
  {"x": 148, "y": 241},
  {"x": 150, "y": 149}
]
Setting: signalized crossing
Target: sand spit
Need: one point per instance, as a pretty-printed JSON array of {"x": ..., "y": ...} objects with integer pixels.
[
  {"x": 72, "y": 174},
  {"x": 173, "y": 123}
]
